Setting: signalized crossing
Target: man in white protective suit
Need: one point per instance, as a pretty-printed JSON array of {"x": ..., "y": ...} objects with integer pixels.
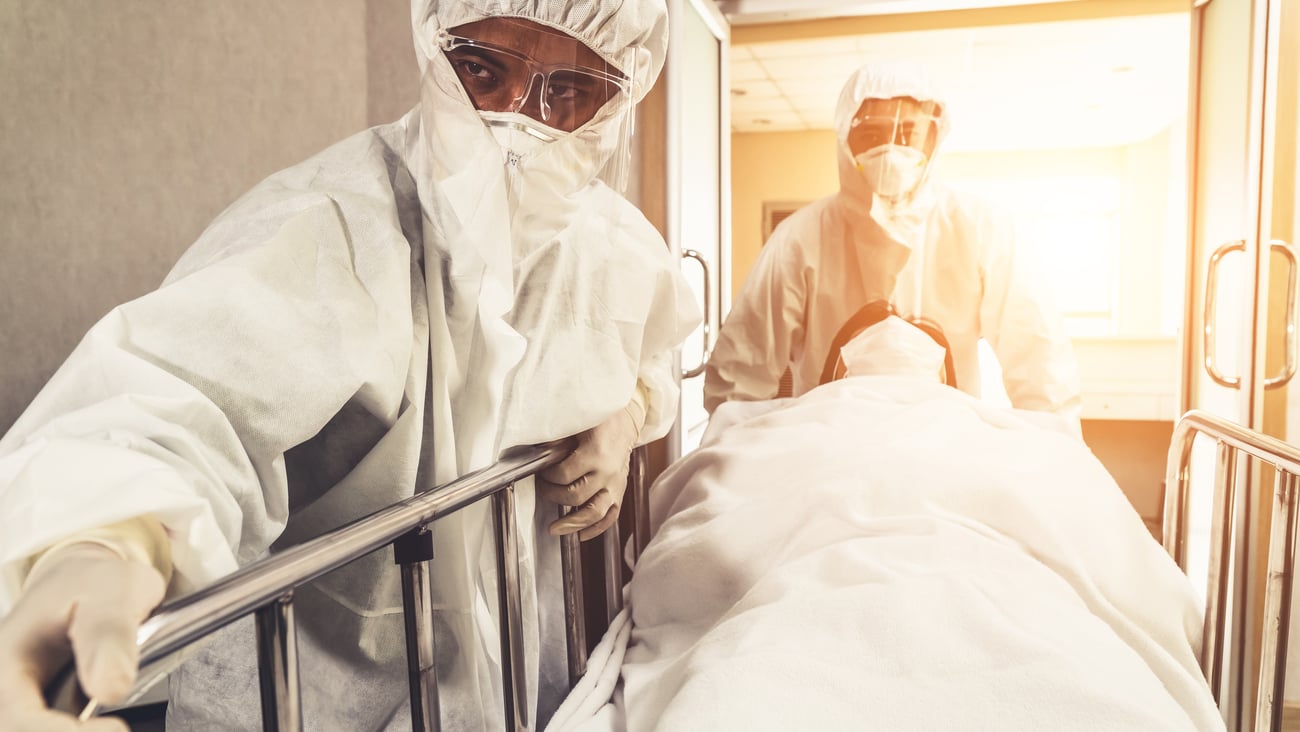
[
  {"x": 893, "y": 232},
  {"x": 380, "y": 319}
]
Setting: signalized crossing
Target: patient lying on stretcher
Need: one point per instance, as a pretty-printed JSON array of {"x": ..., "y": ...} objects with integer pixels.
[{"x": 888, "y": 553}]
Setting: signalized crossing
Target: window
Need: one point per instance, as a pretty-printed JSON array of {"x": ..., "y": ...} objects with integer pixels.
[{"x": 1072, "y": 224}]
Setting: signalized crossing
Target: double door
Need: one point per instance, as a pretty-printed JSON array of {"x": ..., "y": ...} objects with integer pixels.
[{"x": 1239, "y": 332}]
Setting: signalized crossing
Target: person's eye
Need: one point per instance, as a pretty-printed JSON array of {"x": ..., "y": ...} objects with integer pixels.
[
  {"x": 476, "y": 70},
  {"x": 565, "y": 92},
  {"x": 571, "y": 88},
  {"x": 473, "y": 70}
]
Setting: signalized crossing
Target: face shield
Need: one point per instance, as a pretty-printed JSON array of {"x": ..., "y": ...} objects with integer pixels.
[{"x": 892, "y": 142}]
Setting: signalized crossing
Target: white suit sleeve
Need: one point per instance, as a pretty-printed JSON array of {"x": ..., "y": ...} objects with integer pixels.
[
  {"x": 764, "y": 327},
  {"x": 180, "y": 405},
  {"x": 673, "y": 314},
  {"x": 1018, "y": 317},
  {"x": 657, "y": 394}
]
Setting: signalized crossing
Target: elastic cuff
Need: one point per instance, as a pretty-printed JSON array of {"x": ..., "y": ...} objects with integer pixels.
[
  {"x": 636, "y": 409},
  {"x": 141, "y": 539}
]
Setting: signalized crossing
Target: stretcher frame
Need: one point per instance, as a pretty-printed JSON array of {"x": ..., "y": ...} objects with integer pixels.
[
  {"x": 1225, "y": 665},
  {"x": 265, "y": 588}
]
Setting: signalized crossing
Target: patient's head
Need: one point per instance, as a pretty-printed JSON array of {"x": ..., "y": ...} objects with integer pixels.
[{"x": 893, "y": 347}]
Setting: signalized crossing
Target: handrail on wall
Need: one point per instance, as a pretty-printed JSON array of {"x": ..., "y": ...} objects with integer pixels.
[
  {"x": 266, "y": 588},
  {"x": 1227, "y": 542}
]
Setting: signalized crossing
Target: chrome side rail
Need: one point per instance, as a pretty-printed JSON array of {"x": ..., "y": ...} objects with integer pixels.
[
  {"x": 1227, "y": 545},
  {"x": 265, "y": 588}
]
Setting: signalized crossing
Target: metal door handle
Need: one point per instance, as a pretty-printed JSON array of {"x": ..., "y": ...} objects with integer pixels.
[
  {"x": 707, "y": 330},
  {"x": 1289, "y": 368},
  {"x": 1211, "y": 297}
]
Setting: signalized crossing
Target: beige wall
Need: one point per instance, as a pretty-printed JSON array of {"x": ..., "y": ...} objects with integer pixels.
[
  {"x": 775, "y": 167},
  {"x": 128, "y": 125},
  {"x": 1282, "y": 405}
]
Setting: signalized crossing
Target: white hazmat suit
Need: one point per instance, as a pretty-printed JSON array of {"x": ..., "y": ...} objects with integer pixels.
[
  {"x": 380, "y": 319},
  {"x": 939, "y": 255}
]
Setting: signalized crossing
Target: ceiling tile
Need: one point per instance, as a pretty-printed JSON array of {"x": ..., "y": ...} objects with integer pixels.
[
  {"x": 818, "y": 121},
  {"x": 755, "y": 90},
  {"x": 794, "y": 49},
  {"x": 750, "y": 70},
  {"x": 762, "y": 108},
  {"x": 780, "y": 124},
  {"x": 1041, "y": 84},
  {"x": 833, "y": 69},
  {"x": 811, "y": 99},
  {"x": 746, "y": 12}
]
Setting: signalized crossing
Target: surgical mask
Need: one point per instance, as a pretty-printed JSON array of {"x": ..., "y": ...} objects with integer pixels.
[
  {"x": 894, "y": 347},
  {"x": 892, "y": 171},
  {"x": 519, "y": 136}
]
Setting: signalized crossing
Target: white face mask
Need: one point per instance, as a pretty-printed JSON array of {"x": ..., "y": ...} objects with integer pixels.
[
  {"x": 893, "y": 347},
  {"x": 892, "y": 170},
  {"x": 519, "y": 135}
]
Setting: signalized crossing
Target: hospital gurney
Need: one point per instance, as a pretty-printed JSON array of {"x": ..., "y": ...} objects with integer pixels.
[{"x": 265, "y": 587}]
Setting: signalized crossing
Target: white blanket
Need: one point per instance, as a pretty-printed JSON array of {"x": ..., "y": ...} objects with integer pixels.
[{"x": 886, "y": 554}]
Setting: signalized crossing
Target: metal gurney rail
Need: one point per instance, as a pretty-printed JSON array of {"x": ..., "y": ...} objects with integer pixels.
[
  {"x": 265, "y": 588},
  {"x": 1228, "y": 545}
]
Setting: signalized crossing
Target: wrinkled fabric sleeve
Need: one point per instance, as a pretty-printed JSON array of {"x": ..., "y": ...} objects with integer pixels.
[
  {"x": 181, "y": 404},
  {"x": 764, "y": 327},
  {"x": 677, "y": 313},
  {"x": 661, "y": 393},
  {"x": 1020, "y": 320}
]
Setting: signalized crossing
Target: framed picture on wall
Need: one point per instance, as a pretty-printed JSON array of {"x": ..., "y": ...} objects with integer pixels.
[{"x": 774, "y": 212}]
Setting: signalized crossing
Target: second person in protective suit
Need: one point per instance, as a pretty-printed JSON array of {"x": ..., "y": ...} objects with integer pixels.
[{"x": 896, "y": 234}]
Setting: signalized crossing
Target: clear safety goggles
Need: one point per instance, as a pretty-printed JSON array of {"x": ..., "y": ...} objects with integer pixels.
[
  {"x": 899, "y": 121},
  {"x": 559, "y": 94}
]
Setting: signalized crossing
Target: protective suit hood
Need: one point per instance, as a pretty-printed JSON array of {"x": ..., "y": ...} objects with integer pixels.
[
  {"x": 881, "y": 80},
  {"x": 641, "y": 27},
  {"x": 631, "y": 36}
]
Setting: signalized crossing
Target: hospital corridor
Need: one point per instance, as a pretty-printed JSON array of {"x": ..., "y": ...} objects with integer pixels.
[{"x": 631, "y": 365}]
